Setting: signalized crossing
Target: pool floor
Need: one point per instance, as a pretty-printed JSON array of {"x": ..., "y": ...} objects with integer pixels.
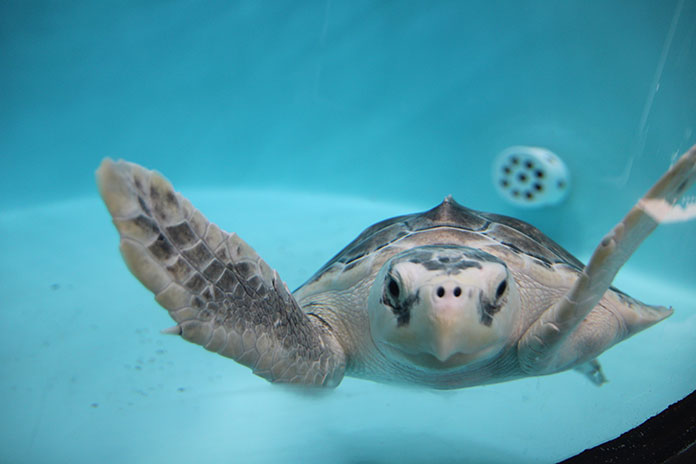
[{"x": 86, "y": 376}]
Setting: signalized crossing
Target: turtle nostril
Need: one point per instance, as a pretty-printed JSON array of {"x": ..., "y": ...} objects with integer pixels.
[
  {"x": 440, "y": 292},
  {"x": 457, "y": 291}
]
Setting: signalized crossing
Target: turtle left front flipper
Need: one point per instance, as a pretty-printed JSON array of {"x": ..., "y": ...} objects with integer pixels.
[
  {"x": 546, "y": 346},
  {"x": 222, "y": 295}
]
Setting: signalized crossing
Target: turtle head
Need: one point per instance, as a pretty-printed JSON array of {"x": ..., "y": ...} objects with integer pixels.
[{"x": 443, "y": 307}]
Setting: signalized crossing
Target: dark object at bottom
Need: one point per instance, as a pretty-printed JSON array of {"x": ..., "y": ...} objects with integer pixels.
[{"x": 669, "y": 438}]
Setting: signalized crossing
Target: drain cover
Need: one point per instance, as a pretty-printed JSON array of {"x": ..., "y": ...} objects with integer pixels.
[{"x": 531, "y": 176}]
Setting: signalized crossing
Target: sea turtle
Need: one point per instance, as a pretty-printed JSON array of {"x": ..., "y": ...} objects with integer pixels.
[{"x": 446, "y": 298}]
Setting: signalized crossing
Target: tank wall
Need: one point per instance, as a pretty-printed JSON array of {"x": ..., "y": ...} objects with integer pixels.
[{"x": 406, "y": 101}]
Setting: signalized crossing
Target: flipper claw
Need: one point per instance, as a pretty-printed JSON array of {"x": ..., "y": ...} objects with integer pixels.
[{"x": 174, "y": 330}]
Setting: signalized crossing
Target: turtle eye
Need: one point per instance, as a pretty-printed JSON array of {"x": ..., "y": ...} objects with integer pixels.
[
  {"x": 393, "y": 288},
  {"x": 501, "y": 289}
]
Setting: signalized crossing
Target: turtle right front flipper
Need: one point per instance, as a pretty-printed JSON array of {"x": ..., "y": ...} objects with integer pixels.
[
  {"x": 547, "y": 346},
  {"x": 222, "y": 295}
]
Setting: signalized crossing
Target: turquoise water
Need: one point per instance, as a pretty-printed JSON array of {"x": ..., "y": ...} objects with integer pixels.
[{"x": 297, "y": 126}]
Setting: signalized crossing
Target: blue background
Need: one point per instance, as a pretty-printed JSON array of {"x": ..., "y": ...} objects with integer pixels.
[
  {"x": 405, "y": 101},
  {"x": 297, "y": 124}
]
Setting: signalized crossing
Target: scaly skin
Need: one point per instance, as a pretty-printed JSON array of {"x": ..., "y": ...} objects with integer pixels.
[
  {"x": 222, "y": 295},
  {"x": 543, "y": 347}
]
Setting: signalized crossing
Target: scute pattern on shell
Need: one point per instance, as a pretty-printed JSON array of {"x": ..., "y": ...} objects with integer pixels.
[{"x": 512, "y": 233}]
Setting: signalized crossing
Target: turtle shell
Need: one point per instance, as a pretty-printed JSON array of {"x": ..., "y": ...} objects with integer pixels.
[{"x": 517, "y": 236}]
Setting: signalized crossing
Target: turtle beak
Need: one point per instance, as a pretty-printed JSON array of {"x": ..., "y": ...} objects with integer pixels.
[
  {"x": 444, "y": 343},
  {"x": 445, "y": 346},
  {"x": 447, "y": 308},
  {"x": 452, "y": 321}
]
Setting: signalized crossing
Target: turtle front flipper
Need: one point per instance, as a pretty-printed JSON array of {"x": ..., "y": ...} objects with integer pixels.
[
  {"x": 222, "y": 295},
  {"x": 554, "y": 342}
]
